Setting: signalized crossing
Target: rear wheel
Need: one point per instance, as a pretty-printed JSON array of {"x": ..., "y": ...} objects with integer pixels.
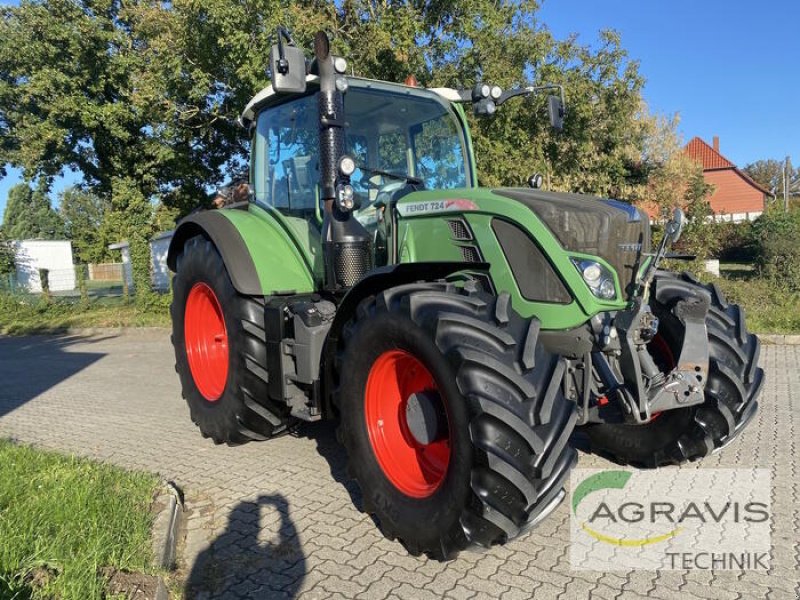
[
  {"x": 734, "y": 382},
  {"x": 452, "y": 416},
  {"x": 220, "y": 350}
]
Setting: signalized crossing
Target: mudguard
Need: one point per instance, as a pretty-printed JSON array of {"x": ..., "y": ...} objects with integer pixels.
[{"x": 260, "y": 253}]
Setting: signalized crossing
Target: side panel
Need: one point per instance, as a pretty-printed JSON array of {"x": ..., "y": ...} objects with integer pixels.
[
  {"x": 263, "y": 252},
  {"x": 425, "y": 235}
]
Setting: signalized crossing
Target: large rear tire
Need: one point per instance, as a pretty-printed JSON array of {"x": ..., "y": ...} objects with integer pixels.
[
  {"x": 497, "y": 455},
  {"x": 734, "y": 382},
  {"x": 220, "y": 350}
]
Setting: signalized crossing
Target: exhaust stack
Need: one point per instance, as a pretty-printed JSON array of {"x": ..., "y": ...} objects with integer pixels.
[{"x": 346, "y": 244}]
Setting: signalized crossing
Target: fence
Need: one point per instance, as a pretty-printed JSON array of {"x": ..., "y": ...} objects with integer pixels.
[
  {"x": 80, "y": 280},
  {"x": 105, "y": 272}
]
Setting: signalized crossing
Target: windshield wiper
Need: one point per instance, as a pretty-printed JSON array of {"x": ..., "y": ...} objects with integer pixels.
[{"x": 397, "y": 176}]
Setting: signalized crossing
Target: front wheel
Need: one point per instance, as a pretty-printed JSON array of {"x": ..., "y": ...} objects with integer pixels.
[
  {"x": 734, "y": 382},
  {"x": 452, "y": 416},
  {"x": 220, "y": 350}
]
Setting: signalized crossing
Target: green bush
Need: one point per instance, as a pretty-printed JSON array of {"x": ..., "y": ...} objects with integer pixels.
[
  {"x": 735, "y": 242},
  {"x": 776, "y": 243},
  {"x": 768, "y": 307}
]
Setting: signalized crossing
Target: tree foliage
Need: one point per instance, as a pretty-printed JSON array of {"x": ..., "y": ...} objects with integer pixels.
[
  {"x": 776, "y": 239},
  {"x": 7, "y": 254},
  {"x": 29, "y": 216},
  {"x": 142, "y": 97},
  {"x": 84, "y": 215},
  {"x": 770, "y": 175}
]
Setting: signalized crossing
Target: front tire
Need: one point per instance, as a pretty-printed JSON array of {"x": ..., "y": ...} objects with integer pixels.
[
  {"x": 734, "y": 382},
  {"x": 220, "y": 350},
  {"x": 494, "y": 460}
]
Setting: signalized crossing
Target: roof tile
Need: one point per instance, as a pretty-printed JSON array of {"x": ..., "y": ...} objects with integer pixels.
[{"x": 698, "y": 150}]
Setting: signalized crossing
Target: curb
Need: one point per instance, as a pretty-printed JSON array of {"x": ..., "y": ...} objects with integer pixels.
[
  {"x": 110, "y": 330},
  {"x": 779, "y": 339},
  {"x": 90, "y": 331},
  {"x": 167, "y": 524}
]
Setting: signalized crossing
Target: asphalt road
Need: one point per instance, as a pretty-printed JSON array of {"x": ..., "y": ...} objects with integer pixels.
[{"x": 276, "y": 519}]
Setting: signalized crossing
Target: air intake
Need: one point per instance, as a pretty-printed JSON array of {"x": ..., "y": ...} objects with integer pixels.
[
  {"x": 459, "y": 230},
  {"x": 470, "y": 254}
]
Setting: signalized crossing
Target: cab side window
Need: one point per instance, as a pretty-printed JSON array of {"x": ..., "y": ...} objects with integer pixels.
[
  {"x": 286, "y": 167},
  {"x": 438, "y": 154}
]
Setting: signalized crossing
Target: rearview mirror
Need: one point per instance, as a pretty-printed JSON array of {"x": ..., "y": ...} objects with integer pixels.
[
  {"x": 675, "y": 225},
  {"x": 555, "y": 110},
  {"x": 288, "y": 64}
]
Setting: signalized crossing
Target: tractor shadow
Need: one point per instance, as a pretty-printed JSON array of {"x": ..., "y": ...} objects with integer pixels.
[
  {"x": 31, "y": 365},
  {"x": 245, "y": 561}
]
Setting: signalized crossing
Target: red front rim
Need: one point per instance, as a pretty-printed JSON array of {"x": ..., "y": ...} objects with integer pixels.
[
  {"x": 415, "y": 469},
  {"x": 206, "y": 341}
]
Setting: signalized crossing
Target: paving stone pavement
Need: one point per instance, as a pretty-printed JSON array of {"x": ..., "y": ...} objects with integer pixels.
[{"x": 276, "y": 519}]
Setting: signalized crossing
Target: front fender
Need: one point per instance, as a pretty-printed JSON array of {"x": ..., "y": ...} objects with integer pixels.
[{"x": 261, "y": 255}]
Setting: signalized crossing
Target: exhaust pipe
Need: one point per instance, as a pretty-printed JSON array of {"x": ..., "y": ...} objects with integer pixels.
[{"x": 345, "y": 243}]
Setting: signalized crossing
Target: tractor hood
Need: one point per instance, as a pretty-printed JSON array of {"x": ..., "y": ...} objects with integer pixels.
[{"x": 616, "y": 231}]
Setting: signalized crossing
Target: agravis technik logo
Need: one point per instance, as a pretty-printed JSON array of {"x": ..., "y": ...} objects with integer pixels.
[{"x": 670, "y": 519}]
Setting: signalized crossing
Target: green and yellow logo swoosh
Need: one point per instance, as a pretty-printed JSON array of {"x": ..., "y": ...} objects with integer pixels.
[{"x": 611, "y": 480}]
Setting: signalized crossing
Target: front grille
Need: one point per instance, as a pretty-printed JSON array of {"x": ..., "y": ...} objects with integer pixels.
[
  {"x": 535, "y": 276},
  {"x": 459, "y": 229},
  {"x": 470, "y": 254}
]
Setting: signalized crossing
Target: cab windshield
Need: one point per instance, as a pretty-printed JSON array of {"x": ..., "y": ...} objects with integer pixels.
[{"x": 398, "y": 133}]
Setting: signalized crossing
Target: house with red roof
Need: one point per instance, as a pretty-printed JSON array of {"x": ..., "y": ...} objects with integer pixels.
[{"x": 736, "y": 197}]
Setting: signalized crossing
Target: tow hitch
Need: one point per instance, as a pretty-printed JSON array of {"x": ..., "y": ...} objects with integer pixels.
[{"x": 647, "y": 390}]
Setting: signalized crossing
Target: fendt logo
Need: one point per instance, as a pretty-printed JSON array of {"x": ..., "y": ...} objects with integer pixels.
[
  {"x": 629, "y": 247},
  {"x": 670, "y": 519},
  {"x": 435, "y": 206}
]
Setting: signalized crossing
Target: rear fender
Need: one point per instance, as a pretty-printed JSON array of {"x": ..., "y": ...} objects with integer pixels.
[{"x": 260, "y": 254}]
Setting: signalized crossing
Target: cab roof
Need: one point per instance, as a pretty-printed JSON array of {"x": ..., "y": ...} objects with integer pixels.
[{"x": 269, "y": 96}]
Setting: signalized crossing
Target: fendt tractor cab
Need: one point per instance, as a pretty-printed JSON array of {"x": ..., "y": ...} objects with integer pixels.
[{"x": 458, "y": 334}]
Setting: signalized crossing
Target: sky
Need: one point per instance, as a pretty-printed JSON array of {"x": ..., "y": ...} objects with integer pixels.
[{"x": 729, "y": 68}]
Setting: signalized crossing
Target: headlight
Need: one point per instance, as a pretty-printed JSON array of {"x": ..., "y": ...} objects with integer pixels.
[
  {"x": 599, "y": 279},
  {"x": 347, "y": 165},
  {"x": 344, "y": 197}
]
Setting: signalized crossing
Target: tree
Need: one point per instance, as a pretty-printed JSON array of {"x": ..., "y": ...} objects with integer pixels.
[
  {"x": 131, "y": 218},
  {"x": 207, "y": 59},
  {"x": 84, "y": 214},
  {"x": 146, "y": 95},
  {"x": 770, "y": 173},
  {"x": 28, "y": 215},
  {"x": 76, "y": 92},
  {"x": 6, "y": 255}
]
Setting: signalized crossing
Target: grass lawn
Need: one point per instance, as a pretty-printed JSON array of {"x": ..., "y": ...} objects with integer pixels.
[
  {"x": 20, "y": 315},
  {"x": 769, "y": 308},
  {"x": 63, "y": 518}
]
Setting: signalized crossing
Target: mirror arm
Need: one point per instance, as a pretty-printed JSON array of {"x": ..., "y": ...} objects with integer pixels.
[
  {"x": 507, "y": 95},
  {"x": 283, "y": 34},
  {"x": 672, "y": 231}
]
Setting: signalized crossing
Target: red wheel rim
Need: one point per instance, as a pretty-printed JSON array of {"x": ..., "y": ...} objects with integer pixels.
[
  {"x": 415, "y": 469},
  {"x": 206, "y": 341}
]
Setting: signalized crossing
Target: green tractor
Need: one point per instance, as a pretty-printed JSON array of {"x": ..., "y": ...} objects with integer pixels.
[{"x": 460, "y": 335}]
